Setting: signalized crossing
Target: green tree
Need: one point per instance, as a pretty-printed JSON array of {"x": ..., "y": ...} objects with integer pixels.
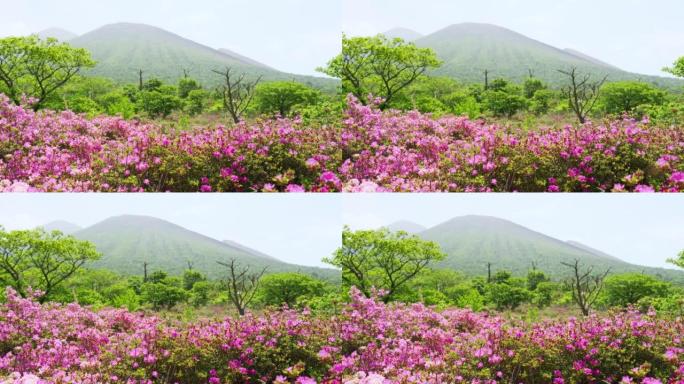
[
  {"x": 163, "y": 295},
  {"x": 192, "y": 277},
  {"x": 158, "y": 101},
  {"x": 382, "y": 259},
  {"x": 677, "y": 68},
  {"x": 379, "y": 66},
  {"x": 628, "y": 288},
  {"x": 531, "y": 86},
  {"x": 41, "y": 260},
  {"x": 187, "y": 85},
  {"x": 504, "y": 102},
  {"x": 625, "y": 96},
  {"x": 545, "y": 293},
  {"x": 534, "y": 278},
  {"x": 196, "y": 101},
  {"x": 38, "y": 68},
  {"x": 506, "y": 296},
  {"x": 287, "y": 288},
  {"x": 678, "y": 261},
  {"x": 199, "y": 295},
  {"x": 281, "y": 97}
]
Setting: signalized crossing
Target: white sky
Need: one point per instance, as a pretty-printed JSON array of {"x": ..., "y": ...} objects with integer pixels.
[
  {"x": 640, "y": 36},
  {"x": 291, "y": 35},
  {"x": 302, "y": 229}
]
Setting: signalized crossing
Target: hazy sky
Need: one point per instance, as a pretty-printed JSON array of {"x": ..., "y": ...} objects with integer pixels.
[
  {"x": 291, "y": 35},
  {"x": 302, "y": 229},
  {"x": 296, "y": 228},
  {"x": 642, "y": 229},
  {"x": 636, "y": 35}
]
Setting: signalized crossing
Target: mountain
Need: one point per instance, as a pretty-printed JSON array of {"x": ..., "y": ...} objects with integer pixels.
[
  {"x": 245, "y": 59},
  {"x": 406, "y": 226},
  {"x": 65, "y": 227},
  {"x": 589, "y": 58},
  {"x": 468, "y": 49},
  {"x": 247, "y": 249},
  {"x": 591, "y": 250},
  {"x": 471, "y": 242},
  {"x": 403, "y": 33},
  {"x": 57, "y": 33},
  {"x": 124, "y": 48},
  {"x": 126, "y": 242}
]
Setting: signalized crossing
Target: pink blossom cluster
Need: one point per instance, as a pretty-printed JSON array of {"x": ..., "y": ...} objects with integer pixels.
[
  {"x": 51, "y": 151},
  {"x": 416, "y": 152},
  {"x": 365, "y": 342},
  {"x": 370, "y": 151}
]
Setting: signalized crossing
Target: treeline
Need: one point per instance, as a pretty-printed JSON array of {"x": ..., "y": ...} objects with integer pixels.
[
  {"x": 398, "y": 73},
  {"x": 47, "y": 74},
  {"x": 394, "y": 71},
  {"x": 394, "y": 265}
]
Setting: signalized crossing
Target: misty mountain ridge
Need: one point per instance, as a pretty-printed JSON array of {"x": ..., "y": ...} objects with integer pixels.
[
  {"x": 127, "y": 242},
  {"x": 122, "y": 49},
  {"x": 471, "y": 242},
  {"x": 468, "y": 49}
]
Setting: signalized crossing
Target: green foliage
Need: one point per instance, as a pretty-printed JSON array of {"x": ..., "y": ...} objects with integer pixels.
[
  {"x": 41, "y": 260},
  {"x": 504, "y": 102},
  {"x": 288, "y": 289},
  {"x": 187, "y": 85},
  {"x": 196, "y": 101},
  {"x": 163, "y": 294},
  {"x": 117, "y": 103},
  {"x": 507, "y": 296},
  {"x": 38, "y": 68},
  {"x": 546, "y": 293},
  {"x": 628, "y": 288},
  {"x": 626, "y": 96},
  {"x": 282, "y": 97},
  {"x": 158, "y": 100},
  {"x": 677, "y": 68},
  {"x": 379, "y": 66},
  {"x": 192, "y": 277},
  {"x": 541, "y": 101},
  {"x": 534, "y": 278},
  {"x": 199, "y": 294},
  {"x": 531, "y": 86},
  {"x": 382, "y": 259}
]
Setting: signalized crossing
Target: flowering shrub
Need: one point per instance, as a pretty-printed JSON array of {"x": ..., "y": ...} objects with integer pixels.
[
  {"x": 415, "y": 152},
  {"x": 367, "y": 342},
  {"x": 370, "y": 151},
  {"x": 49, "y": 151}
]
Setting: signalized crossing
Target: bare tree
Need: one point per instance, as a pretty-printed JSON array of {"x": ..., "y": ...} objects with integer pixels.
[
  {"x": 584, "y": 285},
  {"x": 241, "y": 284},
  {"x": 236, "y": 93},
  {"x": 489, "y": 272},
  {"x": 145, "y": 272},
  {"x": 582, "y": 94},
  {"x": 486, "y": 78}
]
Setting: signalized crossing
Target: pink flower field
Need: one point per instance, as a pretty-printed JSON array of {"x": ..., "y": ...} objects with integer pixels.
[
  {"x": 366, "y": 341},
  {"x": 368, "y": 151}
]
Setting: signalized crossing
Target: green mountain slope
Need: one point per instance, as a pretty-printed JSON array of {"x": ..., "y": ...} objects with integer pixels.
[
  {"x": 406, "y": 226},
  {"x": 65, "y": 227},
  {"x": 124, "y": 48},
  {"x": 57, "y": 33},
  {"x": 126, "y": 242},
  {"x": 403, "y": 33},
  {"x": 473, "y": 241},
  {"x": 469, "y": 49}
]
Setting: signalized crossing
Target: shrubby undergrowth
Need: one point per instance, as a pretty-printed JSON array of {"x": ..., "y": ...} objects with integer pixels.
[
  {"x": 365, "y": 342},
  {"x": 369, "y": 150}
]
